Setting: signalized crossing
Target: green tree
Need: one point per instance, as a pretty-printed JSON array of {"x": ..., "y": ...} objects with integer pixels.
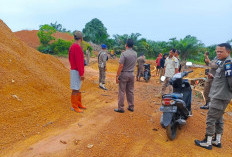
[
  {"x": 57, "y": 26},
  {"x": 60, "y": 28},
  {"x": 211, "y": 49},
  {"x": 60, "y": 47},
  {"x": 190, "y": 48},
  {"x": 173, "y": 42},
  {"x": 95, "y": 32},
  {"x": 120, "y": 42},
  {"x": 45, "y": 34},
  {"x": 158, "y": 47},
  {"x": 110, "y": 43}
]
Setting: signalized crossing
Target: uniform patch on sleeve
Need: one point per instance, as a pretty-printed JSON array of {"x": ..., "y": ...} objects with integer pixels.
[{"x": 228, "y": 68}]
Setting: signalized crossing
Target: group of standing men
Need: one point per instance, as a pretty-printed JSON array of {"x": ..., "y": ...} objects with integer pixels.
[{"x": 220, "y": 92}]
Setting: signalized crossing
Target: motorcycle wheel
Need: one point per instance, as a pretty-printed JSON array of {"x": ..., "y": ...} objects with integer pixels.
[
  {"x": 171, "y": 130},
  {"x": 161, "y": 121}
]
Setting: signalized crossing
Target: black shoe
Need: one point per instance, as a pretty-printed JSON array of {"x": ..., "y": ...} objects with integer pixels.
[
  {"x": 205, "y": 107},
  {"x": 219, "y": 145},
  {"x": 129, "y": 109},
  {"x": 104, "y": 88},
  {"x": 120, "y": 111},
  {"x": 206, "y": 143}
]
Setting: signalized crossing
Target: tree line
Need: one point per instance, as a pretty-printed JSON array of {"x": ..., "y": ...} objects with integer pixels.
[{"x": 94, "y": 31}]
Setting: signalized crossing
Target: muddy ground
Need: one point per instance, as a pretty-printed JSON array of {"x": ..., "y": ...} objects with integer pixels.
[{"x": 100, "y": 131}]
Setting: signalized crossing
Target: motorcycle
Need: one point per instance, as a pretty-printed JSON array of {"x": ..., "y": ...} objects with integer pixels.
[
  {"x": 176, "y": 106},
  {"x": 147, "y": 73}
]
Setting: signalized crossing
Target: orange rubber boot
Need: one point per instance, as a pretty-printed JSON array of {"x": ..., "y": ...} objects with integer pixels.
[
  {"x": 75, "y": 103},
  {"x": 80, "y": 104}
]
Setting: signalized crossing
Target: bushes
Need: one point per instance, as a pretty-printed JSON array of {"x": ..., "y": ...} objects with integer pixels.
[
  {"x": 86, "y": 45},
  {"x": 45, "y": 49},
  {"x": 59, "y": 47},
  {"x": 50, "y": 45}
]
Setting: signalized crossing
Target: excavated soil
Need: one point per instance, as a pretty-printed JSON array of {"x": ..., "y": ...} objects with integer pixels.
[
  {"x": 31, "y": 38},
  {"x": 36, "y": 119},
  {"x": 34, "y": 91},
  {"x": 102, "y": 132}
]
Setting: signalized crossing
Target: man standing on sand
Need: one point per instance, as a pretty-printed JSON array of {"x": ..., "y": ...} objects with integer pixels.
[
  {"x": 177, "y": 54},
  {"x": 162, "y": 63},
  {"x": 125, "y": 77},
  {"x": 208, "y": 83},
  {"x": 87, "y": 55},
  {"x": 170, "y": 69},
  {"x": 220, "y": 95},
  {"x": 102, "y": 58},
  {"x": 76, "y": 60},
  {"x": 158, "y": 64},
  {"x": 140, "y": 69}
]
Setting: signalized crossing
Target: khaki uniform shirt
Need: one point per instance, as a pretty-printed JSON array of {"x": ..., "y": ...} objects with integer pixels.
[
  {"x": 170, "y": 65},
  {"x": 141, "y": 60},
  {"x": 128, "y": 59},
  {"x": 102, "y": 58},
  {"x": 222, "y": 83}
]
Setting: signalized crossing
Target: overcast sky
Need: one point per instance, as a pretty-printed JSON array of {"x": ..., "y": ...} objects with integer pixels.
[{"x": 159, "y": 20}]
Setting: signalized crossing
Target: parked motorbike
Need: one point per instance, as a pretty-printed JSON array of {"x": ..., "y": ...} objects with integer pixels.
[
  {"x": 176, "y": 106},
  {"x": 147, "y": 73}
]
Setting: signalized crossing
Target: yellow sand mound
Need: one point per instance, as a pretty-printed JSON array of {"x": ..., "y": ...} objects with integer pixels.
[{"x": 34, "y": 89}]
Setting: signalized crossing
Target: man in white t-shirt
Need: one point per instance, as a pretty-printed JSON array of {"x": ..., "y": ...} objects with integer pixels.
[{"x": 170, "y": 68}]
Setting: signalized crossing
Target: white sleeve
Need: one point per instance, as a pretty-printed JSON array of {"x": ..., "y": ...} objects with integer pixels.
[{"x": 176, "y": 63}]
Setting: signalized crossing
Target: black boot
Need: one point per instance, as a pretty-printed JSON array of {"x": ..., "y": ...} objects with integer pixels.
[
  {"x": 206, "y": 143},
  {"x": 217, "y": 140},
  {"x": 206, "y": 106}
]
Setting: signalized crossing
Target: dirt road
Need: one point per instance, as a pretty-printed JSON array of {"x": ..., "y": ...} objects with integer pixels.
[{"x": 99, "y": 131}]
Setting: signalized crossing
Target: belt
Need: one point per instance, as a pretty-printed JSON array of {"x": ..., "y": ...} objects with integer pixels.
[{"x": 127, "y": 71}]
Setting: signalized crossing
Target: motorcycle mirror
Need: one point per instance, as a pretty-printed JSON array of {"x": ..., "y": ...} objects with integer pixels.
[
  {"x": 162, "y": 78},
  {"x": 189, "y": 64}
]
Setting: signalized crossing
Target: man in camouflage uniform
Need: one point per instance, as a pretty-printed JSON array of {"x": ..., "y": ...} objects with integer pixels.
[
  {"x": 213, "y": 67},
  {"x": 102, "y": 58},
  {"x": 140, "y": 69},
  {"x": 220, "y": 94}
]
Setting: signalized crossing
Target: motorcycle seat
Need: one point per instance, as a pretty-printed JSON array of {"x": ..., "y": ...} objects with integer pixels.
[{"x": 173, "y": 95}]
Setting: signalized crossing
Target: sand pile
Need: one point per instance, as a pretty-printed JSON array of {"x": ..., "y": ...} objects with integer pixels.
[
  {"x": 31, "y": 38},
  {"x": 34, "y": 89},
  {"x": 197, "y": 73}
]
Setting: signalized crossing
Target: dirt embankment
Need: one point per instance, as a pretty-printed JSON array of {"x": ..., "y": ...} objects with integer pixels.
[
  {"x": 31, "y": 38},
  {"x": 34, "y": 91},
  {"x": 102, "y": 132},
  {"x": 36, "y": 120}
]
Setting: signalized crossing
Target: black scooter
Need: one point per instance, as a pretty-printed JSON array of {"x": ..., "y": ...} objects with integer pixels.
[
  {"x": 176, "y": 106},
  {"x": 147, "y": 73}
]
